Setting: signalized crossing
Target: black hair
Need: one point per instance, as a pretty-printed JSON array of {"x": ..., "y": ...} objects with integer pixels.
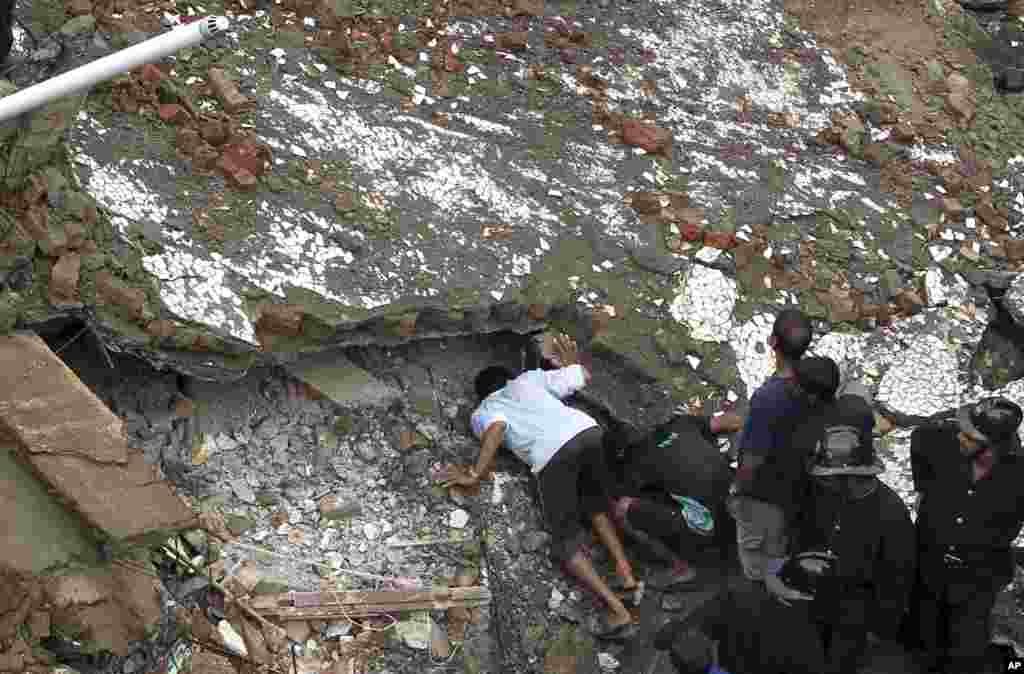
[
  {"x": 818, "y": 378},
  {"x": 793, "y": 332},
  {"x": 491, "y": 379}
]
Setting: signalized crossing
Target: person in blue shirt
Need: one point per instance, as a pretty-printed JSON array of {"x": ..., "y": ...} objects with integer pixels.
[
  {"x": 763, "y": 496},
  {"x": 564, "y": 448}
]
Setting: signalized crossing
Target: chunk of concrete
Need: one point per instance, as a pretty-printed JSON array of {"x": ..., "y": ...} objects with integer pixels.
[{"x": 337, "y": 378}]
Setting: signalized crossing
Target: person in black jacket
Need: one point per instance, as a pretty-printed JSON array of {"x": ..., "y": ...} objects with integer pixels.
[
  {"x": 854, "y": 533},
  {"x": 970, "y": 510}
]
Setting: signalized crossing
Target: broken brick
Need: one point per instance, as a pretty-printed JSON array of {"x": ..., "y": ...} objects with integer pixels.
[
  {"x": 75, "y": 234},
  {"x": 39, "y": 623},
  {"x": 647, "y": 202},
  {"x": 904, "y": 133},
  {"x": 909, "y": 302},
  {"x": 952, "y": 208},
  {"x": 281, "y": 319},
  {"x": 172, "y": 113},
  {"x": 205, "y": 159},
  {"x": 513, "y": 41},
  {"x": 247, "y": 154},
  {"x": 64, "y": 279},
  {"x": 227, "y": 92},
  {"x": 537, "y": 312},
  {"x": 991, "y": 216},
  {"x": 151, "y": 74},
  {"x": 161, "y": 328},
  {"x": 188, "y": 141},
  {"x": 651, "y": 138},
  {"x": 690, "y": 232},
  {"x": 215, "y": 132},
  {"x": 112, "y": 291},
  {"x": 720, "y": 240},
  {"x": 1014, "y": 249},
  {"x": 528, "y": 8},
  {"x": 239, "y": 177},
  {"x": 79, "y": 7}
]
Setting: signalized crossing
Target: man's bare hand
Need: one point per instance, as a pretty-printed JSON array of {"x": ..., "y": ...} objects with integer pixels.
[
  {"x": 458, "y": 476},
  {"x": 784, "y": 593},
  {"x": 566, "y": 352}
]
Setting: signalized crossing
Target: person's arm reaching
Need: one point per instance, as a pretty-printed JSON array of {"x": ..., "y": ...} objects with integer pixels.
[{"x": 489, "y": 444}]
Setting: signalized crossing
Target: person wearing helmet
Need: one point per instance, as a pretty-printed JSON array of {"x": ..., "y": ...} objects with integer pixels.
[
  {"x": 970, "y": 510},
  {"x": 854, "y": 534}
]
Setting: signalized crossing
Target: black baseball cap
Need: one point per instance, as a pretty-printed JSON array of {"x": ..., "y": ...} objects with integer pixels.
[
  {"x": 818, "y": 376},
  {"x": 992, "y": 421}
]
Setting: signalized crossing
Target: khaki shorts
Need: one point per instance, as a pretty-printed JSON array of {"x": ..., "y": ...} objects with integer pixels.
[{"x": 760, "y": 533}]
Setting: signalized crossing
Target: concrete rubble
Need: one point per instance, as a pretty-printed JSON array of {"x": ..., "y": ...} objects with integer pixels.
[{"x": 318, "y": 227}]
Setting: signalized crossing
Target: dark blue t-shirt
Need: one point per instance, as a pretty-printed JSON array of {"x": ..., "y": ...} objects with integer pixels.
[{"x": 775, "y": 409}]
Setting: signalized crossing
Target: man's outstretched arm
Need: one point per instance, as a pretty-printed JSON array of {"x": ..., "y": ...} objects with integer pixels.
[{"x": 489, "y": 444}]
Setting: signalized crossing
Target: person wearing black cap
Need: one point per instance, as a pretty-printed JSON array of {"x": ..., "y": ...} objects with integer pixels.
[
  {"x": 970, "y": 510},
  {"x": 853, "y": 532}
]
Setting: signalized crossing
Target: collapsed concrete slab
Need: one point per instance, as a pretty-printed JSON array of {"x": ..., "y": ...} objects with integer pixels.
[
  {"x": 76, "y": 446},
  {"x": 335, "y": 377}
]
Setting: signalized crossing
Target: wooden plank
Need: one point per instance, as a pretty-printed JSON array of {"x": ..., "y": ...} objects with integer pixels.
[
  {"x": 274, "y": 602},
  {"x": 364, "y": 610}
]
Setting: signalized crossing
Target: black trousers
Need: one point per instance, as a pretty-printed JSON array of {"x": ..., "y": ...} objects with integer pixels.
[
  {"x": 575, "y": 485},
  {"x": 954, "y": 627},
  {"x": 842, "y": 618}
]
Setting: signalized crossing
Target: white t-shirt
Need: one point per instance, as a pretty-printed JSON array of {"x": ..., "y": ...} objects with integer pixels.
[{"x": 537, "y": 422}]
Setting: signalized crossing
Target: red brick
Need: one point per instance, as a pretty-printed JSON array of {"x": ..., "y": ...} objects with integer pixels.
[
  {"x": 690, "y": 232},
  {"x": 75, "y": 233},
  {"x": 112, "y": 291},
  {"x": 651, "y": 138},
  {"x": 249, "y": 155},
  {"x": 215, "y": 132},
  {"x": 281, "y": 319},
  {"x": 64, "y": 279},
  {"x": 227, "y": 92},
  {"x": 161, "y": 328},
  {"x": 238, "y": 176},
  {"x": 172, "y": 113},
  {"x": 720, "y": 240},
  {"x": 188, "y": 141},
  {"x": 152, "y": 74},
  {"x": 79, "y": 7}
]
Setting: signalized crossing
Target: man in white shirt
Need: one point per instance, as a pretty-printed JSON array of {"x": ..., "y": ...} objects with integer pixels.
[{"x": 564, "y": 448}]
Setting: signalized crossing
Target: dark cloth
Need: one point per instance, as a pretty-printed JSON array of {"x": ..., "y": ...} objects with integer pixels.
[
  {"x": 758, "y": 635},
  {"x": 775, "y": 410},
  {"x": 847, "y": 410},
  {"x": 965, "y": 529},
  {"x": 842, "y": 623},
  {"x": 679, "y": 457},
  {"x": 574, "y": 485},
  {"x": 6, "y": 28},
  {"x": 955, "y": 635},
  {"x": 873, "y": 538},
  {"x": 666, "y": 523}
]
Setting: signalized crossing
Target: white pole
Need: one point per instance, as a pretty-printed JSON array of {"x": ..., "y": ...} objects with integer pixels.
[{"x": 108, "y": 67}]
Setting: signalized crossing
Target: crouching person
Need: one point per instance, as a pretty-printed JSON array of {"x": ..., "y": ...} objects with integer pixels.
[
  {"x": 564, "y": 447},
  {"x": 854, "y": 536},
  {"x": 673, "y": 499}
]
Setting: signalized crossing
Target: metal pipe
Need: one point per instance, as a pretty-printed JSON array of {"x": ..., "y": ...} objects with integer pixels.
[{"x": 108, "y": 67}]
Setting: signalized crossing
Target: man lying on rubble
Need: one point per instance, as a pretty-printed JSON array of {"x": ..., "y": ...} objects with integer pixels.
[
  {"x": 564, "y": 447},
  {"x": 970, "y": 510},
  {"x": 853, "y": 534},
  {"x": 672, "y": 493}
]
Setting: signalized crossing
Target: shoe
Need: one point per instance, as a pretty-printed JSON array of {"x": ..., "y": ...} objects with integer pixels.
[
  {"x": 670, "y": 579},
  {"x": 634, "y": 596},
  {"x": 600, "y": 629}
]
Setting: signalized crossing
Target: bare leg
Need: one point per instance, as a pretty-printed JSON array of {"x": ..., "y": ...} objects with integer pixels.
[
  {"x": 579, "y": 567},
  {"x": 606, "y": 532}
]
